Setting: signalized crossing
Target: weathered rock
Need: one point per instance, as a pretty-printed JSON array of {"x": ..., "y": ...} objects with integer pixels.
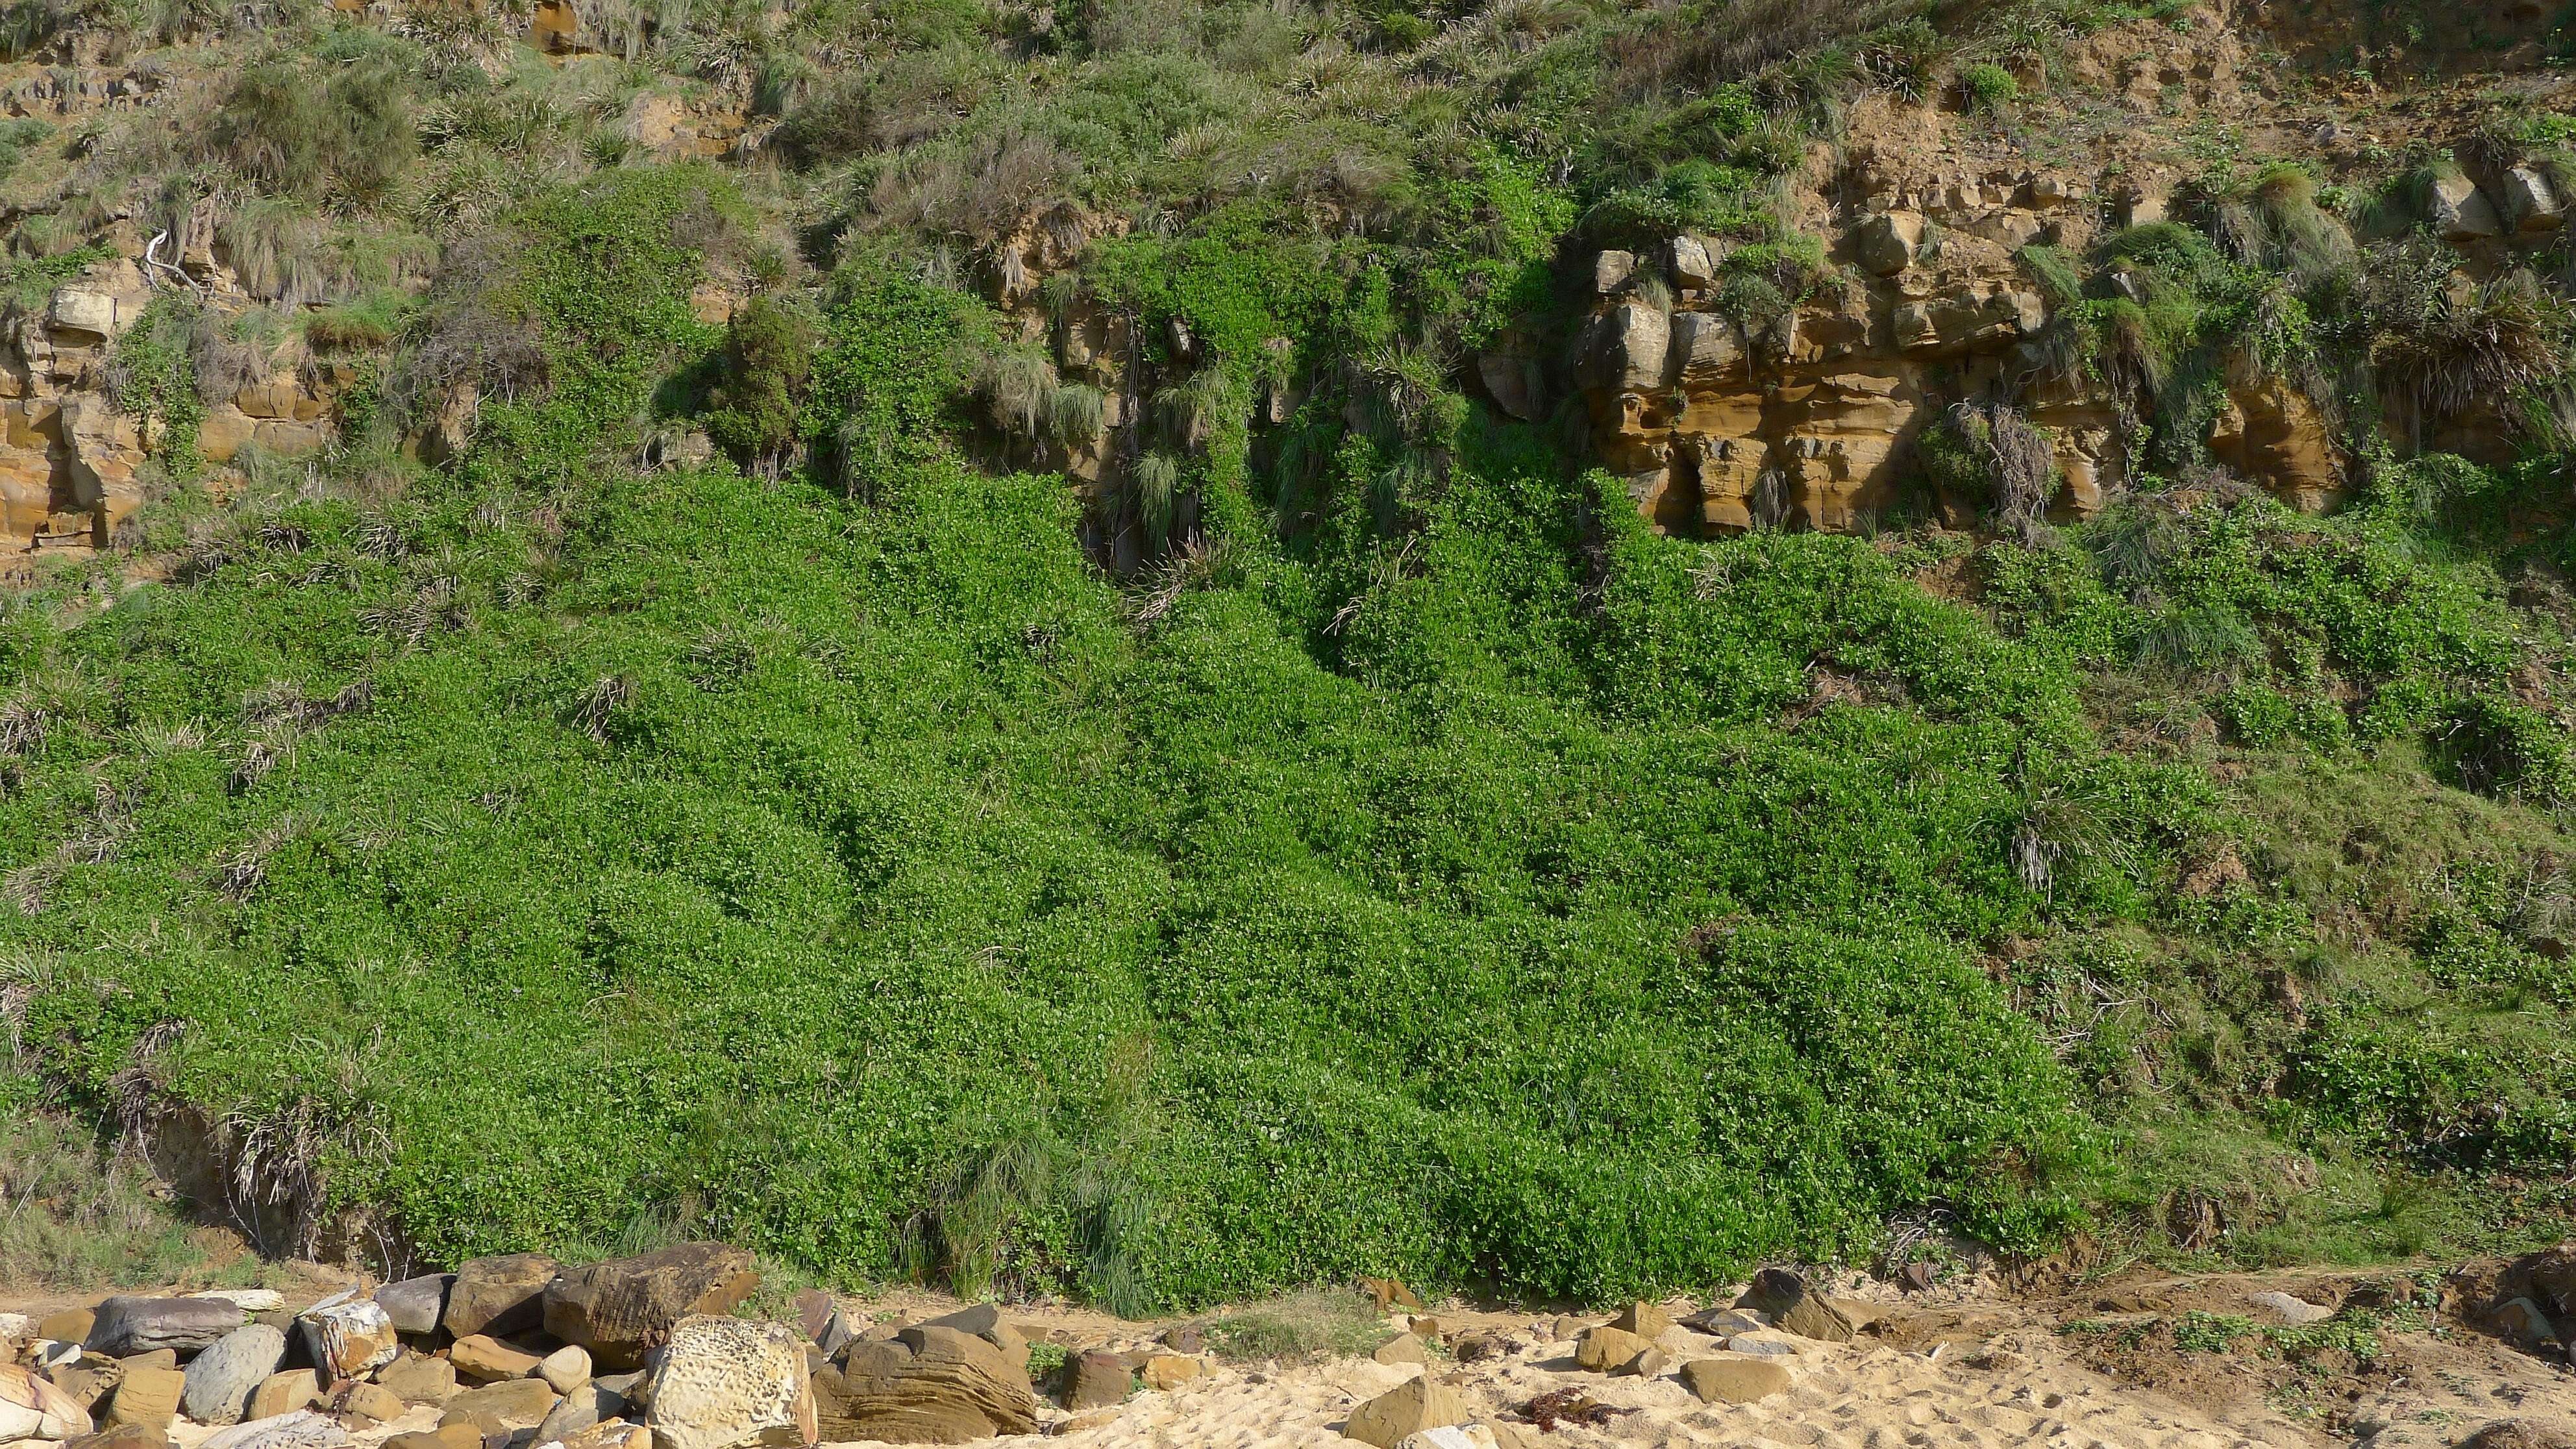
[
  {"x": 445, "y": 1436},
  {"x": 1405, "y": 1410},
  {"x": 78, "y": 308},
  {"x": 722, "y": 1382},
  {"x": 372, "y": 1401},
  {"x": 1607, "y": 1350},
  {"x": 1629, "y": 346},
  {"x": 517, "y": 1403},
  {"x": 1165, "y": 1372},
  {"x": 2293, "y": 1311},
  {"x": 1611, "y": 271},
  {"x": 2459, "y": 211},
  {"x": 1513, "y": 382},
  {"x": 1785, "y": 1297},
  {"x": 159, "y": 1358},
  {"x": 1978, "y": 314},
  {"x": 283, "y": 1393},
  {"x": 349, "y": 1338},
  {"x": 1764, "y": 1343},
  {"x": 1644, "y": 1366},
  {"x": 414, "y": 1304},
  {"x": 1722, "y": 1322},
  {"x": 149, "y": 1397},
  {"x": 418, "y": 1378},
  {"x": 123, "y": 1436},
  {"x": 249, "y": 1300},
  {"x": 1184, "y": 1338},
  {"x": 139, "y": 1325},
  {"x": 565, "y": 1369},
  {"x": 16, "y": 1326},
  {"x": 31, "y": 1408},
  {"x": 481, "y": 1356},
  {"x": 1402, "y": 1349},
  {"x": 88, "y": 1379},
  {"x": 1886, "y": 243},
  {"x": 220, "y": 1380},
  {"x": 1688, "y": 260},
  {"x": 70, "y": 1325},
  {"x": 1735, "y": 1379},
  {"x": 1646, "y": 1320},
  {"x": 303, "y": 1429},
  {"x": 931, "y": 1385},
  {"x": 583, "y": 1405},
  {"x": 498, "y": 1296},
  {"x": 985, "y": 1322},
  {"x": 2523, "y": 1322},
  {"x": 610, "y": 1434},
  {"x": 1095, "y": 1380},
  {"x": 621, "y": 1309},
  {"x": 2547, "y": 1277},
  {"x": 2531, "y": 204}
]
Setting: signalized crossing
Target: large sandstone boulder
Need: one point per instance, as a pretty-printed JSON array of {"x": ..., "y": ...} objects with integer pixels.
[
  {"x": 127, "y": 1326},
  {"x": 2530, "y": 203},
  {"x": 1606, "y": 1350},
  {"x": 1886, "y": 243},
  {"x": 419, "y": 1379},
  {"x": 220, "y": 1380},
  {"x": 148, "y": 1396},
  {"x": 513, "y": 1403},
  {"x": 1629, "y": 345},
  {"x": 933, "y": 1385},
  {"x": 723, "y": 1382},
  {"x": 31, "y": 1408},
  {"x": 499, "y": 1296},
  {"x": 621, "y": 1309}
]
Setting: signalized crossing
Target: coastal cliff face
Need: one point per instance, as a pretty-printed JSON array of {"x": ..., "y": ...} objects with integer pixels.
[{"x": 1933, "y": 255}]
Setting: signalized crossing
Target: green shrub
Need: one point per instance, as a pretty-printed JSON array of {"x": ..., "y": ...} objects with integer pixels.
[{"x": 1988, "y": 86}]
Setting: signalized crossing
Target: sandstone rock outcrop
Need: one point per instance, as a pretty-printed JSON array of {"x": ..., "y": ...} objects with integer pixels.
[
  {"x": 724, "y": 1382},
  {"x": 621, "y": 1309}
]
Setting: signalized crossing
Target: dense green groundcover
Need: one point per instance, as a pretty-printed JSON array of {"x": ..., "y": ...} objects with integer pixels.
[{"x": 1516, "y": 899}]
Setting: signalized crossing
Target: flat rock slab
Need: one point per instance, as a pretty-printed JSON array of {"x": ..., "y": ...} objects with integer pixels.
[
  {"x": 126, "y": 1326},
  {"x": 1735, "y": 1379}
]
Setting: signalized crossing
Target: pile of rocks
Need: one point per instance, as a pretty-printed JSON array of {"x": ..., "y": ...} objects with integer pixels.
[
  {"x": 523, "y": 1352},
  {"x": 1731, "y": 1354}
]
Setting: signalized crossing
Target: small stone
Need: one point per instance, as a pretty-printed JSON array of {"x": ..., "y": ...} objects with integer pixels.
[
  {"x": 2524, "y": 1322},
  {"x": 1646, "y": 1320},
  {"x": 2297, "y": 1312},
  {"x": 418, "y": 1378},
  {"x": 1566, "y": 1329},
  {"x": 1689, "y": 261},
  {"x": 2531, "y": 204},
  {"x": 1645, "y": 1365},
  {"x": 127, "y": 1325},
  {"x": 1186, "y": 1338},
  {"x": 1405, "y": 1410},
  {"x": 2459, "y": 211},
  {"x": 1401, "y": 1349},
  {"x": 1095, "y": 1380},
  {"x": 583, "y": 1406},
  {"x": 16, "y": 1326},
  {"x": 220, "y": 1380},
  {"x": 1611, "y": 270},
  {"x": 489, "y": 1359},
  {"x": 1765, "y": 1343},
  {"x": 283, "y": 1393},
  {"x": 565, "y": 1369},
  {"x": 414, "y": 1304},
  {"x": 1735, "y": 1379},
  {"x": 517, "y": 1403},
  {"x": 373, "y": 1401},
  {"x": 1165, "y": 1372},
  {"x": 71, "y": 1325},
  {"x": 148, "y": 1397},
  {"x": 1723, "y": 1322},
  {"x": 1606, "y": 1350}
]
